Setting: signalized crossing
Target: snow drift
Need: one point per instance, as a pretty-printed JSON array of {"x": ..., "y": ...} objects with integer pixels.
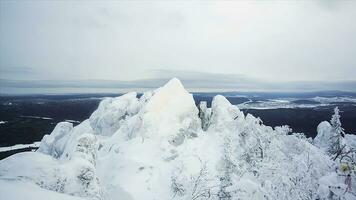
[{"x": 162, "y": 146}]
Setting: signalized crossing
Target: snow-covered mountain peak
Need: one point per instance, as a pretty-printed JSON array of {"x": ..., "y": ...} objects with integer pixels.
[
  {"x": 170, "y": 109},
  {"x": 172, "y": 94},
  {"x": 174, "y": 85}
]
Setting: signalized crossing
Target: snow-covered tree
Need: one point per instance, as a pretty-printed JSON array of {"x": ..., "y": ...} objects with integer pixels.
[
  {"x": 227, "y": 169},
  {"x": 197, "y": 186},
  {"x": 336, "y": 123},
  {"x": 337, "y": 146}
]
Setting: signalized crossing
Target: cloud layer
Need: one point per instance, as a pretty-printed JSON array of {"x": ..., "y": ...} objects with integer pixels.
[
  {"x": 264, "y": 42},
  {"x": 192, "y": 80}
]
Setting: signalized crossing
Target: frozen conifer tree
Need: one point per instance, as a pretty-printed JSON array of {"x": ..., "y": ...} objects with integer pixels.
[
  {"x": 336, "y": 123},
  {"x": 337, "y": 147}
]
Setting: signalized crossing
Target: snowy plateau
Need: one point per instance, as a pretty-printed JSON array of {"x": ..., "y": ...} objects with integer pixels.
[{"x": 162, "y": 146}]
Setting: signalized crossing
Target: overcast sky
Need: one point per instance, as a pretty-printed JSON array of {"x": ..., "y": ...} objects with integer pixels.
[{"x": 273, "y": 41}]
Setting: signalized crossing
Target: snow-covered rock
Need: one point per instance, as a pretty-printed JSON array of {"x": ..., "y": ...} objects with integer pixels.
[
  {"x": 54, "y": 143},
  {"x": 170, "y": 111},
  {"x": 204, "y": 114},
  {"x": 112, "y": 111},
  {"x": 324, "y": 135},
  {"x": 161, "y": 146}
]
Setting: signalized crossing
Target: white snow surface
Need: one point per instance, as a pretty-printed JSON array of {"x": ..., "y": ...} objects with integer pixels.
[
  {"x": 37, "y": 117},
  {"x": 326, "y": 100},
  {"x": 159, "y": 147},
  {"x": 278, "y": 103},
  {"x": 290, "y": 103},
  {"x": 72, "y": 121},
  {"x": 19, "y": 146}
]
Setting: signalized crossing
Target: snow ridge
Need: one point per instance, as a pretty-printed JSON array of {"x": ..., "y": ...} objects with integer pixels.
[{"x": 162, "y": 146}]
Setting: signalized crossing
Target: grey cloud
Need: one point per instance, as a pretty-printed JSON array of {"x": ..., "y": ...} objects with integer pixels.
[
  {"x": 194, "y": 81},
  {"x": 16, "y": 70},
  {"x": 124, "y": 41}
]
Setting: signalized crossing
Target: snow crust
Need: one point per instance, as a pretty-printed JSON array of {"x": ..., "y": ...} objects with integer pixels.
[
  {"x": 26, "y": 190},
  {"x": 162, "y": 146}
]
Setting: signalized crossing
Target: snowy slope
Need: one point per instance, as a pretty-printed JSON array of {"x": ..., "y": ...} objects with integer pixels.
[{"x": 161, "y": 146}]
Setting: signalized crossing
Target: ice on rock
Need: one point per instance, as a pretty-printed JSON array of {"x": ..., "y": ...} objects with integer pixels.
[
  {"x": 327, "y": 137},
  {"x": 322, "y": 139},
  {"x": 76, "y": 176},
  {"x": 161, "y": 146},
  {"x": 73, "y": 138},
  {"x": 54, "y": 143},
  {"x": 111, "y": 111},
  {"x": 224, "y": 114}
]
